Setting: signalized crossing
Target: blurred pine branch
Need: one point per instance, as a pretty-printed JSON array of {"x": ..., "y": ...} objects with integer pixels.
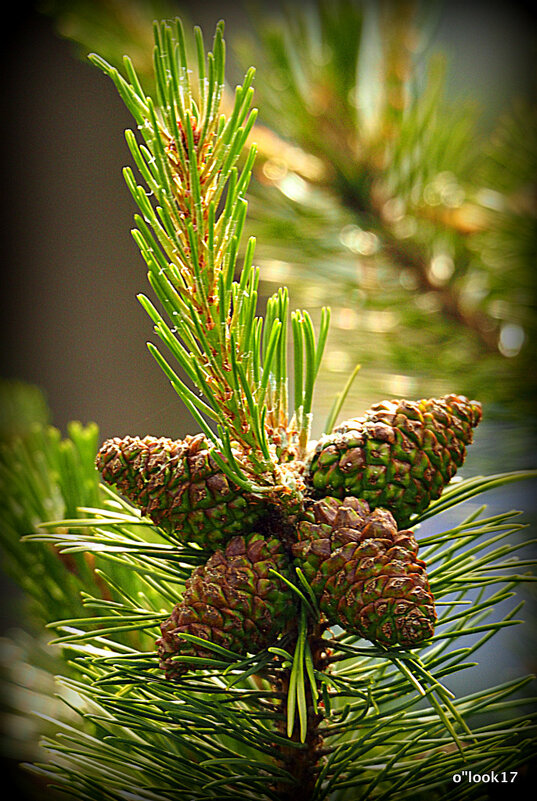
[{"x": 437, "y": 215}]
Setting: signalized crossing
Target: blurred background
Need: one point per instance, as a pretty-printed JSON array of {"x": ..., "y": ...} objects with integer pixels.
[{"x": 395, "y": 183}]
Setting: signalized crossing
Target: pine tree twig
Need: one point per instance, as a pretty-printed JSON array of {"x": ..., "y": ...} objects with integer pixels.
[{"x": 316, "y": 714}]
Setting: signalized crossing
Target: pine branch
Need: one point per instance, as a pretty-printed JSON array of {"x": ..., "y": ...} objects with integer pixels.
[
  {"x": 458, "y": 198},
  {"x": 413, "y": 171},
  {"x": 189, "y": 234},
  {"x": 311, "y": 711},
  {"x": 43, "y": 475},
  {"x": 303, "y": 713}
]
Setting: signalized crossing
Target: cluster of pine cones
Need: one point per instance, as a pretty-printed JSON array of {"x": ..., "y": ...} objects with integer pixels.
[{"x": 364, "y": 483}]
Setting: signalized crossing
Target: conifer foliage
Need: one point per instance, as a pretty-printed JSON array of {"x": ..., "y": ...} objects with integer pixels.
[{"x": 277, "y": 636}]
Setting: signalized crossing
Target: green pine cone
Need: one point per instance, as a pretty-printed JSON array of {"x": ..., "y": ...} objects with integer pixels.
[
  {"x": 180, "y": 487},
  {"x": 233, "y": 601},
  {"x": 365, "y": 573},
  {"x": 399, "y": 455}
]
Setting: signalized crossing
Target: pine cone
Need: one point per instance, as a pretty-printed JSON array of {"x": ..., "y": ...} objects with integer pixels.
[
  {"x": 399, "y": 455},
  {"x": 232, "y": 601},
  {"x": 180, "y": 487},
  {"x": 365, "y": 573}
]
